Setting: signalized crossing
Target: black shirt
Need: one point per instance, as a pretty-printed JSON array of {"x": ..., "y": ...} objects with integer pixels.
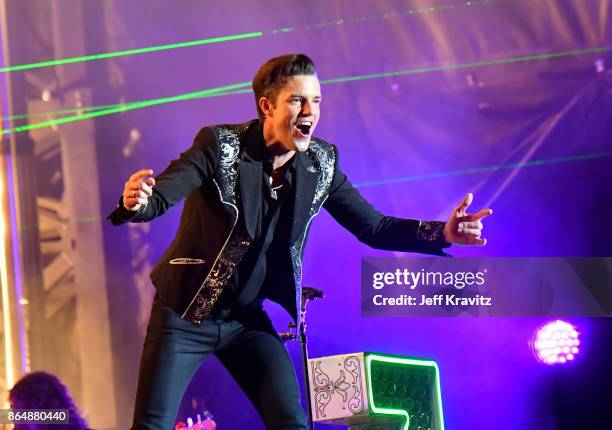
[{"x": 248, "y": 287}]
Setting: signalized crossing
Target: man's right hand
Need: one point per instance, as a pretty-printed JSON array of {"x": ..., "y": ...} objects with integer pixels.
[{"x": 138, "y": 189}]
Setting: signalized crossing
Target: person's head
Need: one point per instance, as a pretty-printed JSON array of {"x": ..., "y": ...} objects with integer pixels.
[
  {"x": 41, "y": 390},
  {"x": 287, "y": 93}
]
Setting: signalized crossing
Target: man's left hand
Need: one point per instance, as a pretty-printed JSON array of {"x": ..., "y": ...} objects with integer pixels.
[{"x": 463, "y": 228}]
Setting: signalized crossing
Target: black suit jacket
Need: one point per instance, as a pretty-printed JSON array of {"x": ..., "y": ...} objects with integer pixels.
[{"x": 206, "y": 221}]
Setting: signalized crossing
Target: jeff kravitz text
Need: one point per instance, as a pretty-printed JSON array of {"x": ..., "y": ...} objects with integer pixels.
[
  {"x": 435, "y": 300},
  {"x": 428, "y": 285}
]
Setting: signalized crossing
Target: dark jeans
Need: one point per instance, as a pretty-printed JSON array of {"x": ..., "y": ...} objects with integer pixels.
[{"x": 246, "y": 345}]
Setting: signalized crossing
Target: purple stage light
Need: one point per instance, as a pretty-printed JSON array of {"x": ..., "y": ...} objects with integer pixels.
[{"x": 556, "y": 343}]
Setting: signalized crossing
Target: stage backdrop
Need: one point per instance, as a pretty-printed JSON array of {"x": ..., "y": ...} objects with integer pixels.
[{"x": 426, "y": 101}]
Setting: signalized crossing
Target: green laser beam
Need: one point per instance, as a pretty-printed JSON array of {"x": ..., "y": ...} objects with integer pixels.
[
  {"x": 475, "y": 64},
  {"x": 211, "y": 40},
  {"x": 358, "y": 20},
  {"x": 388, "y": 15},
  {"x": 59, "y": 112},
  {"x": 124, "y": 108},
  {"x": 484, "y": 169},
  {"x": 100, "y": 107},
  {"x": 421, "y": 70},
  {"x": 155, "y": 48}
]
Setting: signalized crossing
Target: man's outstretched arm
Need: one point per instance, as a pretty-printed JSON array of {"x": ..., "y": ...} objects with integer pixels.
[
  {"x": 371, "y": 227},
  {"x": 145, "y": 197}
]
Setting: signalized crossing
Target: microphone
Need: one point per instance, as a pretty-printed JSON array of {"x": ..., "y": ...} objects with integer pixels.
[{"x": 310, "y": 293}]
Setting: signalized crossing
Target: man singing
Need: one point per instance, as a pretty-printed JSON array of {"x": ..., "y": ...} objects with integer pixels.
[{"x": 251, "y": 192}]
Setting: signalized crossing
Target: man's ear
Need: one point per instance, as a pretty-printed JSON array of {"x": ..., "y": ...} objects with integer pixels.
[{"x": 265, "y": 104}]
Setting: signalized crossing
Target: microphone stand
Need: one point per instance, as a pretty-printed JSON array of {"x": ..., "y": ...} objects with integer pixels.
[
  {"x": 308, "y": 293},
  {"x": 304, "y": 344}
]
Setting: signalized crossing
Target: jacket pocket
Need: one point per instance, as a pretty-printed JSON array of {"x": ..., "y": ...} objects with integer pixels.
[{"x": 186, "y": 260}]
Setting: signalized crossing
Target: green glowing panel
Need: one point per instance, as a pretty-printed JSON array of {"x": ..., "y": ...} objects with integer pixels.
[
  {"x": 406, "y": 388},
  {"x": 376, "y": 392}
]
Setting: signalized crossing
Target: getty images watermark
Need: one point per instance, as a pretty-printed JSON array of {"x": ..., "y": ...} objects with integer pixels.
[
  {"x": 486, "y": 287},
  {"x": 421, "y": 279}
]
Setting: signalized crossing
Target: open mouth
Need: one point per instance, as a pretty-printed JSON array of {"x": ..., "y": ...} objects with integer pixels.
[{"x": 304, "y": 127}]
